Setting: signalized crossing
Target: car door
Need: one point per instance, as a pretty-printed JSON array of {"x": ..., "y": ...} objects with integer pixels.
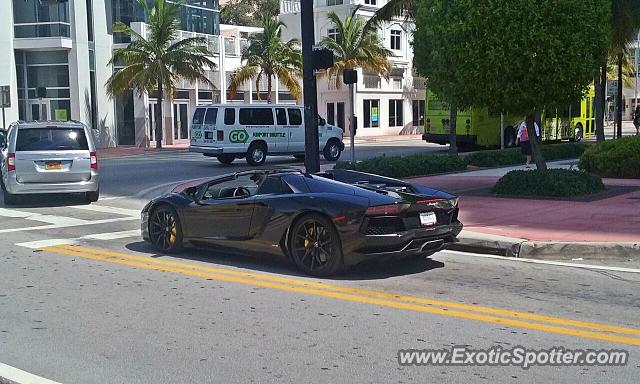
[
  {"x": 281, "y": 136},
  {"x": 296, "y": 130},
  {"x": 221, "y": 214}
]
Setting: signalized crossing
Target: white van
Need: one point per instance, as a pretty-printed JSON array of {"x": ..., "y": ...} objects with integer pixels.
[{"x": 253, "y": 131}]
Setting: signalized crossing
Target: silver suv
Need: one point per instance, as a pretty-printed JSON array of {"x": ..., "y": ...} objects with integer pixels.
[{"x": 49, "y": 157}]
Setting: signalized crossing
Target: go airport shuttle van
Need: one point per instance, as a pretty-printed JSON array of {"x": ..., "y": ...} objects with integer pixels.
[{"x": 253, "y": 131}]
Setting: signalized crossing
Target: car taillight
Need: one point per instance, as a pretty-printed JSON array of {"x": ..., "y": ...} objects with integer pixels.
[
  {"x": 11, "y": 162},
  {"x": 382, "y": 210},
  {"x": 220, "y": 135},
  {"x": 94, "y": 160}
]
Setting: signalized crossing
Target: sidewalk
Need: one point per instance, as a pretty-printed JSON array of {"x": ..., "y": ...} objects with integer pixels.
[{"x": 600, "y": 226}]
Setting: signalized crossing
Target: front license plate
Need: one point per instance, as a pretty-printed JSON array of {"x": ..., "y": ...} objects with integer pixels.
[
  {"x": 52, "y": 166},
  {"x": 428, "y": 219}
]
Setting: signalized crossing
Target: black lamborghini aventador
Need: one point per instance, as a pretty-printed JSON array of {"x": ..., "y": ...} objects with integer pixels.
[{"x": 322, "y": 221}]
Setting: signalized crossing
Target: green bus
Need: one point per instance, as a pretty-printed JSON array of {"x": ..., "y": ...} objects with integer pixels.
[{"x": 478, "y": 127}]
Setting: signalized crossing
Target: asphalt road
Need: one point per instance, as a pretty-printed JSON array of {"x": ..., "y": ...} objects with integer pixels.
[{"x": 110, "y": 310}]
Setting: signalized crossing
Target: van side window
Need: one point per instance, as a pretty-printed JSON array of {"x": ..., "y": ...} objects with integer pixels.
[
  {"x": 281, "y": 116},
  {"x": 198, "y": 115},
  {"x": 229, "y": 116},
  {"x": 295, "y": 116},
  {"x": 255, "y": 116},
  {"x": 211, "y": 116}
]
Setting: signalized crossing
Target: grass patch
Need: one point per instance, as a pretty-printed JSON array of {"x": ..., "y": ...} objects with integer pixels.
[{"x": 549, "y": 183}]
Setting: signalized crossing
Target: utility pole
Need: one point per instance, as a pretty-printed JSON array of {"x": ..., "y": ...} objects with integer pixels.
[
  {"x": 637, "y": 65},
  {"x": 311, "y": 141}
]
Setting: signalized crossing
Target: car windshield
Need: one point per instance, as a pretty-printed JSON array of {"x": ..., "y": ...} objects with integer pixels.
[{"x": 51, "y": 139}]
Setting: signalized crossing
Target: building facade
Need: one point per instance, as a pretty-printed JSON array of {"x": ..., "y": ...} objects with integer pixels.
[
  {"x": 383, "y": 107},
  {"x": 56, "y": 56}
]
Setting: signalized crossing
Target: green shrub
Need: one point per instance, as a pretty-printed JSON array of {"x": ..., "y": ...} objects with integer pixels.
[
  {"x": 512, "y": 156},
  {"x": 549, "y": 183},
  {"x": 613, "y": 158},
  {"x": 405, "y": 166}
]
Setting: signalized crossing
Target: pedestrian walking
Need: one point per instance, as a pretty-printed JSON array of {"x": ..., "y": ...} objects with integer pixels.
[
  {"x": 636, "y": 120},
  {"x": 524, "y": 140}
]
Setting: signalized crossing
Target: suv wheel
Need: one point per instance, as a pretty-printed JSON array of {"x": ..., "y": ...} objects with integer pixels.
[
  {"x": 257, "y": 154},
  {"x": 226, "y": 159},
  {"x": 9, "y": 198}
]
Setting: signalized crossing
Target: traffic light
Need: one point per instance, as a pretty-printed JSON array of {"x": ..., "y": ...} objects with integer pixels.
[
  {"x": 322, "y": 58},
  {"x": 350, "y": 76}
]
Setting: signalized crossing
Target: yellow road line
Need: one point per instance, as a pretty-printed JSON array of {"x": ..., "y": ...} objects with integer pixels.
[
  {"x": 361, "y": 299},
  {"x": 384, "y": 295}
]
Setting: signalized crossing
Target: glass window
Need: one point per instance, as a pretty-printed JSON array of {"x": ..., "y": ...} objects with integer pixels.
[
  {"x": 229, "y": 116},
  {"x": 295, "y": 116},
  {"x": 281, "y": 116},
  {"x": 334, "y": 2},
  {"x": 334, "y": 34},
  {"x": 242, "y": 186},
  {"x": 371, "y": 113},
  {"x": 46, "y": 57},
  {"x": 418, "y": 113},
  {"x": 395, "y": 39},
  {"x": 371, "y": 2},
  {"x": 273, "y": 185},
  {"x": 340, "y": 113},
  {"x": 331, "y": 113},
  {"x": 395, "y": 113},
  {"x": 212, "y": 116},
  {"x": 49, "y": 76},
  {"x": 198, "y": 116},
  {"x": 48, "y": 139},
  {"x": 255, "y": 116}
]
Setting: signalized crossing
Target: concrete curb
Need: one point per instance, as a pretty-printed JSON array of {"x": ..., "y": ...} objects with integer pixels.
[{"x": 545, "y": 250}]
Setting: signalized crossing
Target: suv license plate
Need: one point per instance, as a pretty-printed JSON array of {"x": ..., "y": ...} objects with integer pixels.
[
  {"x": 428, "y": 219},
  {"x": 52, "y": 166}
]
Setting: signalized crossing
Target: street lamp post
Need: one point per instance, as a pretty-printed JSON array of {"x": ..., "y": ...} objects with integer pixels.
[{"x": 311, "y": 140}]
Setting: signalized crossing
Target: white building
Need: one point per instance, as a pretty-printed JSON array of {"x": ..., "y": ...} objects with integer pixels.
[
  {"x": 383, "y": 107},
  {"x": 56, "y": 56}
]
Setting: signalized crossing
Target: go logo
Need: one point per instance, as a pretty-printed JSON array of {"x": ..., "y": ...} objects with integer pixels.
[{"x": 238, "y": 136}]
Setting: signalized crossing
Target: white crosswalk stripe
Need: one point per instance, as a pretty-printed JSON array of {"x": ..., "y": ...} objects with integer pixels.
[{"x": 77, "y": 240}]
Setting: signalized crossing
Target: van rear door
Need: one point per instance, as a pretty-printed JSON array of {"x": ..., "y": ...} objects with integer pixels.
[{"x": 52, "y": 155}]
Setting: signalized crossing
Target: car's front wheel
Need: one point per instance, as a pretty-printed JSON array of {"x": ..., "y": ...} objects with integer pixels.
[
  {"x": 165, "y": 230},
  {"x": 315, "y": 246},
  {"x": 332, "y": 150}
]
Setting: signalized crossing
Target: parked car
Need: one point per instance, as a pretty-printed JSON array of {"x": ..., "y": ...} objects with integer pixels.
[
  {"x": 49, "y": 157},
  {"x": 322, "y": 222},
  {"x": 253, "y": 131}
]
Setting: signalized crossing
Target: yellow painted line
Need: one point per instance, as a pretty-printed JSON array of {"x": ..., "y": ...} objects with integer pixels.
[
  {"x": 356, "y": 298},
  {"x": 358, "y": 291}
]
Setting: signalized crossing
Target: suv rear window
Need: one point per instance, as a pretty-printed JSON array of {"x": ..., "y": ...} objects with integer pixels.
[{"x": 51, "y": 139}]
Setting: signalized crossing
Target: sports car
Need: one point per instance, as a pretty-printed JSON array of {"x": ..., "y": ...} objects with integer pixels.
[{"x": 322, "y": 222}]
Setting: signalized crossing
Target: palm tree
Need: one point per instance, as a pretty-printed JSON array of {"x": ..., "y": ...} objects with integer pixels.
[
  {"x": 157, "y": 62},
  {"x": 393, "y": 9},
  {"x": 625, "y": 21},
  {"x": 356, "y": 46},
  {"x": 267, "y": 55}
]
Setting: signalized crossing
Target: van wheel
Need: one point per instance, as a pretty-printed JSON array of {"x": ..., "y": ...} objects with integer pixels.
[
  {"x": 226, "y": 159},
  {"x": 332, "y": 150},
  {"x": 9, "y": 198},
  {"x": 92, "y": 197},
  {"x": 257, "y": 154}
]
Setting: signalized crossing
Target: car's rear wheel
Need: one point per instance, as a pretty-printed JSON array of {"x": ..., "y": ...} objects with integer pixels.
[
  {"x": 332, "y": 150},
  {"x": 315, "y": 246},
  {"x": 257, "y": 154},
  {"x": 9, "y": 198},
  {"x": 92, "y": 197},
  {"x": 165, "y": 230},
  {"x": 226, "y": 159}
]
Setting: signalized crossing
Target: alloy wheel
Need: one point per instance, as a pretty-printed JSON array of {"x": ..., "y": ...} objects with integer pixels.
[
  {"x": 163, "y": 229},
  {"x": 313, "y": 245}
]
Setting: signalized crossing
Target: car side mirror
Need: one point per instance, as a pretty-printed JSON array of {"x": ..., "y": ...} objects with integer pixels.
[{"x": 322, "y": 122}]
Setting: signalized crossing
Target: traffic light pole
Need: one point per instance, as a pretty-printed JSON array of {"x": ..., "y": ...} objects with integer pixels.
[{"x": 311, "y": 141}]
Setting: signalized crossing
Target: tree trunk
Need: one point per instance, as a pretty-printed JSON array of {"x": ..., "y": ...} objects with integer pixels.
[
  {"x": 453, "y": 139},
  {"x": 269, "y": 89},
  {"x": 619, "y": 98},
  {"x": 158, "y": 117},
  {"x": 534, "y": 141},
  {"x": 600, "y": 84}
]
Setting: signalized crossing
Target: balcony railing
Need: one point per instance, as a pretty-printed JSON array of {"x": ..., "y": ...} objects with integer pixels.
[
  {"x": 289, "y": 6},
  {"x": 41, "y": 29}
]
